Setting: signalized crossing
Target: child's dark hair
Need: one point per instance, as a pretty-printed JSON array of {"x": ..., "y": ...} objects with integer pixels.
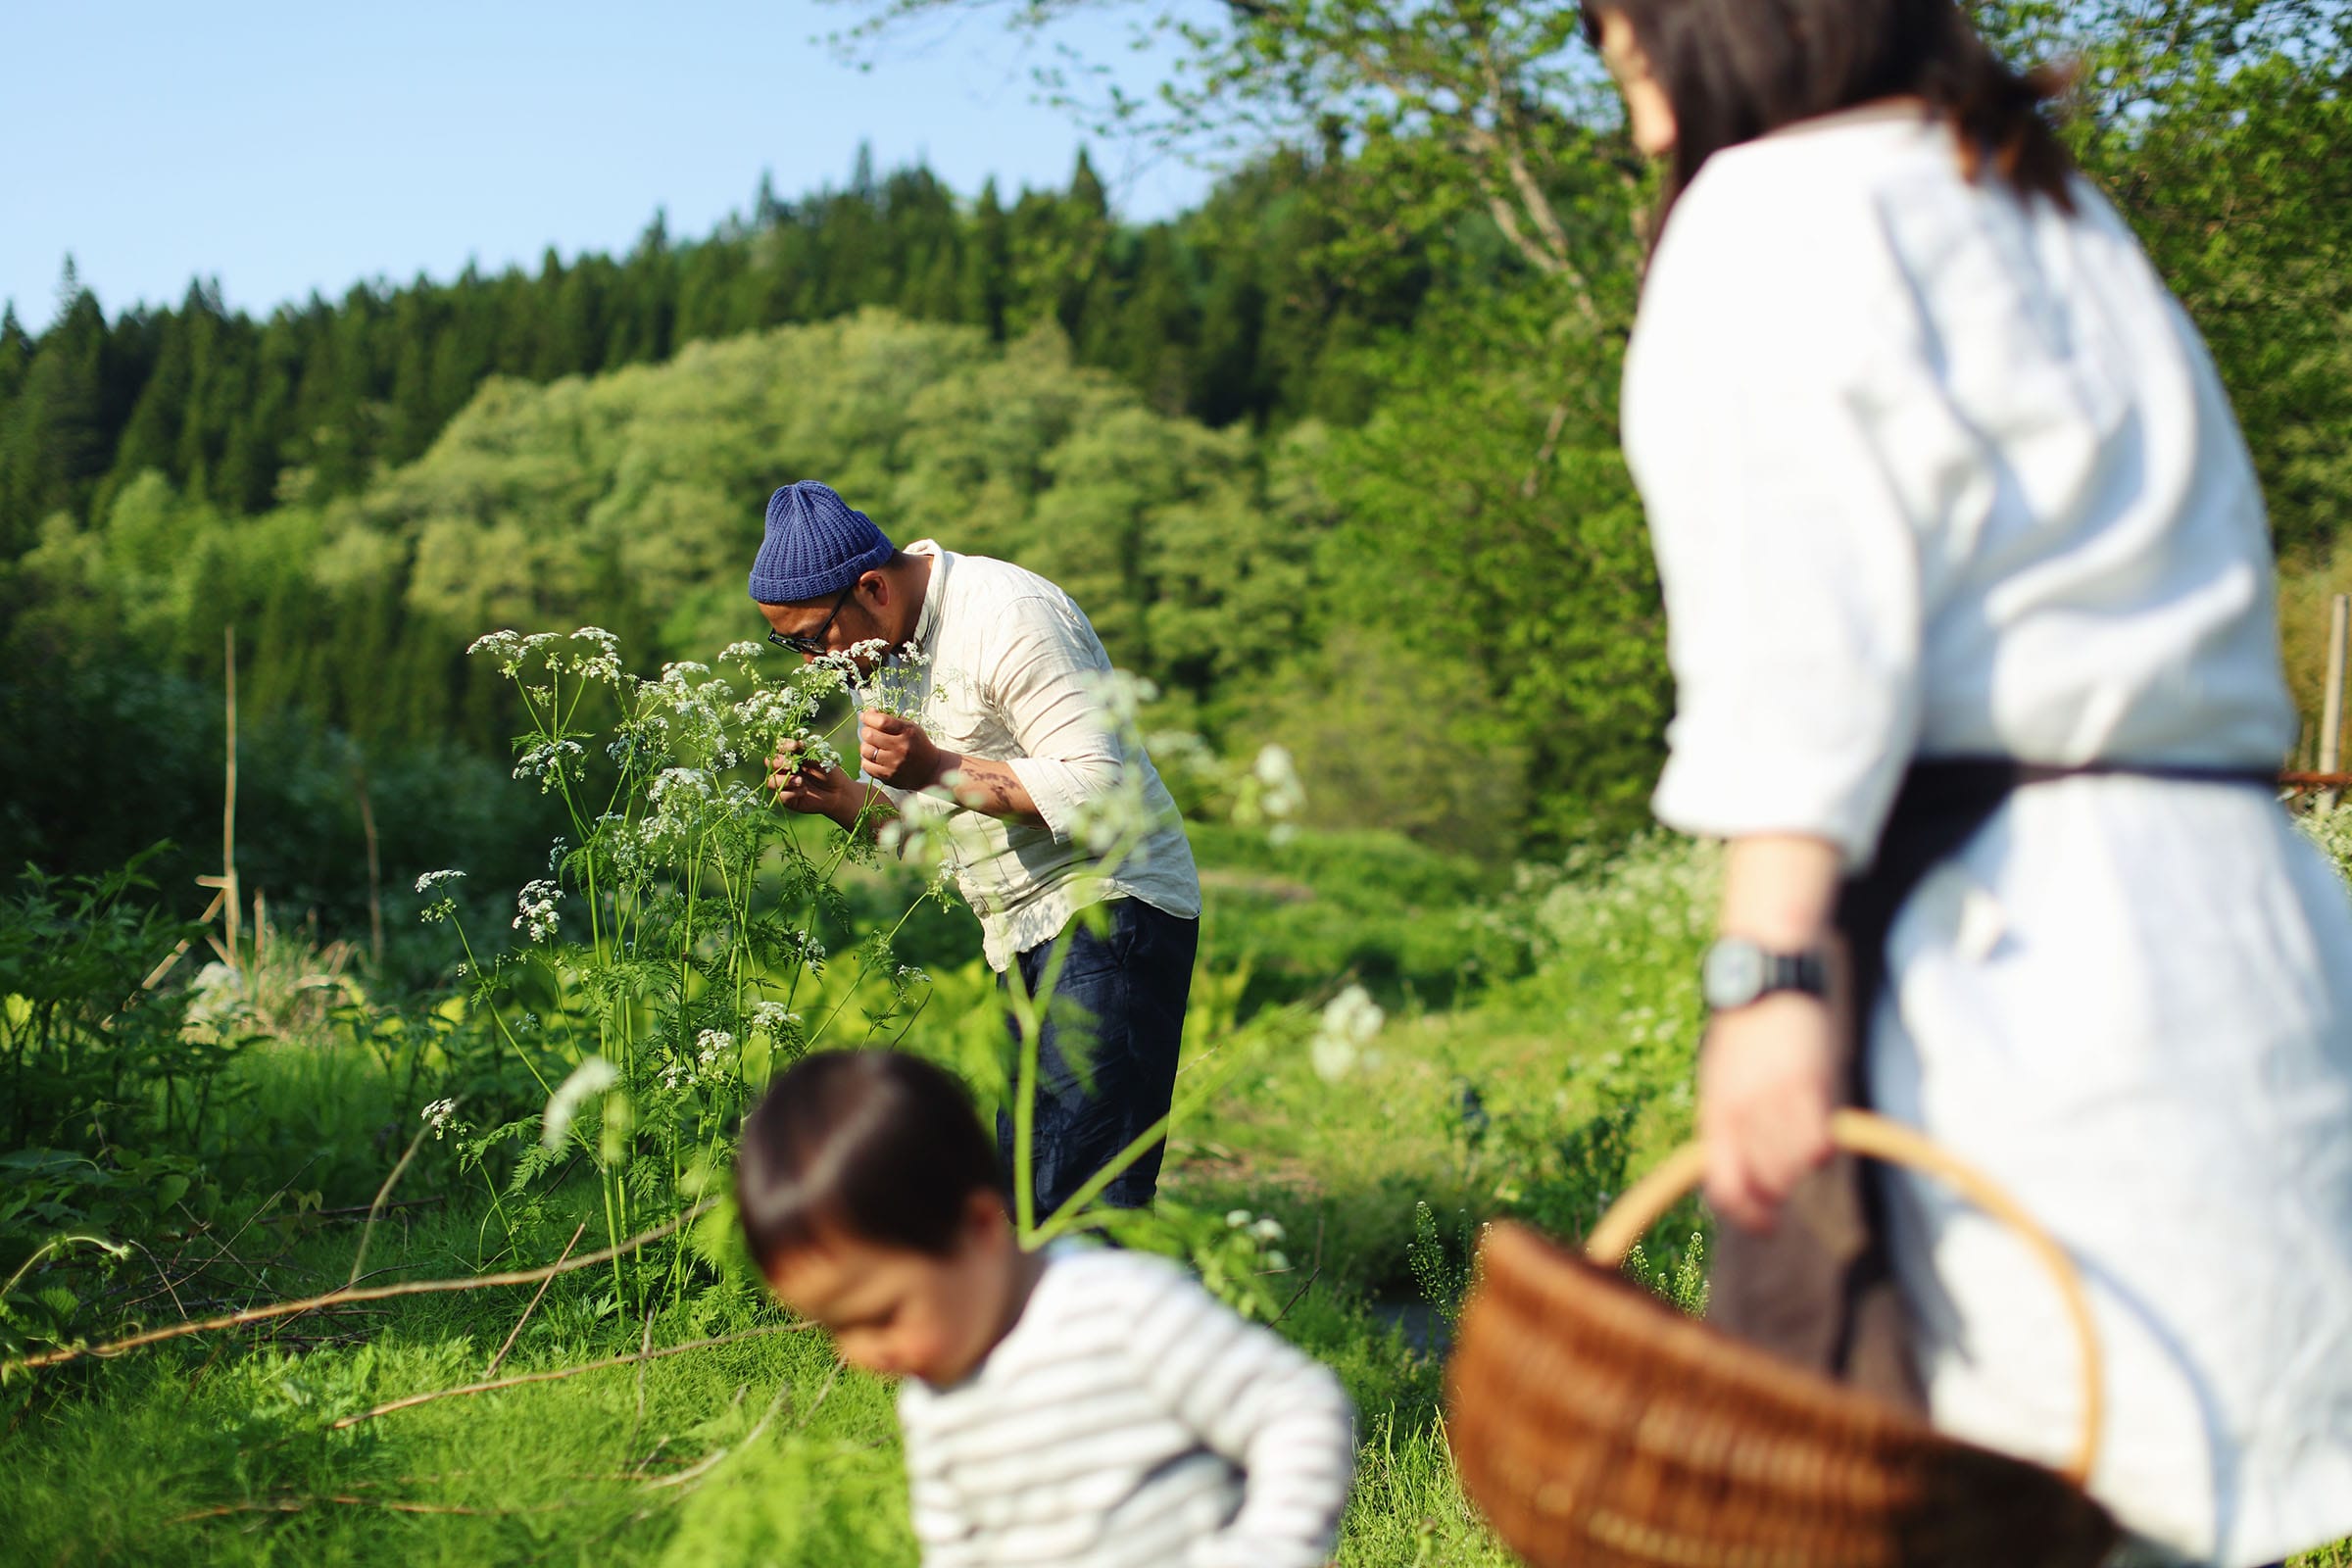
[{"x": 874, "y": 1144}]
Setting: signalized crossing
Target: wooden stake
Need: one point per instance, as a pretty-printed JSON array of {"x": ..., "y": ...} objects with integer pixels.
[
  {"x": 228, "y": 802},
  {"x": 375, "y": 876},
  {"x": 2331, "y": 719},
  {"x": 155, "y": 976}
]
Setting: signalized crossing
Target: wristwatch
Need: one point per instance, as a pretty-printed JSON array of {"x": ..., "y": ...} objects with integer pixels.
[{"x": 1738, "y": 971}]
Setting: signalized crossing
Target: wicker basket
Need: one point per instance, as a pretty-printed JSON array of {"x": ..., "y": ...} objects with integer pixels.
[{"x": 1596, "y": 1427}]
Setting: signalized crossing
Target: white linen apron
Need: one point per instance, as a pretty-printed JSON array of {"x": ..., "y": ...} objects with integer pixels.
[{"x": 2124, "y": 1000}]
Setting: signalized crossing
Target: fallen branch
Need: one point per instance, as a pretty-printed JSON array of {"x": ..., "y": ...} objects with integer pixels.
[
  {"x": 536, "y": 1298},
  {"x": 645, "y": 1352},
  {"x": 377, "y": 1293},
  {"x": 518, "y": 1379},
  {"x": 695, "y": 1472},
  {"x": 394, "y": 1505},
  {"x": 1296, "y": 1295},
  {"x": 375, "y": 1210}
]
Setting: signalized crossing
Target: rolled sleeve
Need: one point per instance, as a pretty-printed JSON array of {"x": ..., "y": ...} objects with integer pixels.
[
  {"x": 1790, "y": 561},
  {"x": 1044, "y": 668}
]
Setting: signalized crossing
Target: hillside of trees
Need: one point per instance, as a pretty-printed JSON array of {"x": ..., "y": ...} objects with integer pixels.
[{"x": 1222, "y": 314}]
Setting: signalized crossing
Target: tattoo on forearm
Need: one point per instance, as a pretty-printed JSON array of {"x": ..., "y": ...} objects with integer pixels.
[{"x": 992, "y": 788}]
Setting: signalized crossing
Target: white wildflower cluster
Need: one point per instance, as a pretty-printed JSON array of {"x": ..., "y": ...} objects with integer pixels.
[
  {"x": 442, "y": 907},
  {"x": 601, "y": 660},
  {"x": 710, "y": 1049},
  {"x": 216, "y": 998},
  {"x": 1658, "y": 893},
  {"x": 438, "y": 1115},
  {"x": 769, "y": 714},
  {"x": 554, "y": 763},
  {"x": 898, "y": 681},
  {"x": 690, "y": 707},
  {"x": 741, "y": 800},
  {"x": 807, "y": 949},
  {"x": 623, "y": 847},
  {"x": 535, "y": 910},
  {"x": 511, "y": 648},
  {"x": 678, "y": 797},
  {"x": 780, "y": 1024},
  {"x": 1122, "y": 816},
  {"x": 744, "y": 654},
  {"x": 1348, "y": 1025},
  {"x": 688, "y": 800},
  {"x": 1122, "y": 697},
  {"x": 635, "y": 738},
  {"x": 504, "y": 646},
  {"x": 1265, "y": 1231},
  {"x": 588, "y": 1080},
  {"x": 1280, "y": 794},
  {"x": 2332, "y": 831}
]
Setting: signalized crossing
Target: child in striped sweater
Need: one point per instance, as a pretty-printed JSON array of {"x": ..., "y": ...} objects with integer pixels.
[{"x": 1072, "y": 1408}]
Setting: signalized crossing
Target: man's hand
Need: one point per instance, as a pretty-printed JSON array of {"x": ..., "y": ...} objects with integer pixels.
[
  {"x": 1765, "y": 1088},
  {"x": 804, "y": 786},
  {"x": 898, "y": 752}
]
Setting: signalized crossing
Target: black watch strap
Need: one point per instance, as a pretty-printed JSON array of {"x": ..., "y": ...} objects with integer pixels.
[{"x": 1738, "y": 971}]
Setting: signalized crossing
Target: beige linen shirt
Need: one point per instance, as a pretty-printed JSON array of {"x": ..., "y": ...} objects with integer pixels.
[{"x": 1013, "y": 676}]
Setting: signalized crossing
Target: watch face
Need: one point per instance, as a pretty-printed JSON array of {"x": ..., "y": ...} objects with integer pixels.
[{"x": 1733, "y": 975}]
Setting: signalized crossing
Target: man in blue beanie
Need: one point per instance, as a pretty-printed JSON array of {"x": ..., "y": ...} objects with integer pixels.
[{"x": 1013, "y": 756}]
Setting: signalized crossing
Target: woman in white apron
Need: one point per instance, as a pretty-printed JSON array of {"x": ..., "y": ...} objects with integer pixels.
[{"x": 1970, "y": 598}]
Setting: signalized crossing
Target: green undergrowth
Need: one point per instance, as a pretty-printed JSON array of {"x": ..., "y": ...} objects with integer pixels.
[
  {"x": 1527, "y": 1095},
  {"x": 1558, "y": 1068},
  {"x": 756, "y": 1450}
]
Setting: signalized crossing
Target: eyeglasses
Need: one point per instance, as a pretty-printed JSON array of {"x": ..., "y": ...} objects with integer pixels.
[{"x": 813, "y": 642}]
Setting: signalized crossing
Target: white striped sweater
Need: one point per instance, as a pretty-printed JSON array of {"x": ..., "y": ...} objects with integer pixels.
[{"x": 1129, "y": 1418}]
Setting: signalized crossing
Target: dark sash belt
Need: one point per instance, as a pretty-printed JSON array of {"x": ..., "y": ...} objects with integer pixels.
[{"x": 1820, "y": 1290}]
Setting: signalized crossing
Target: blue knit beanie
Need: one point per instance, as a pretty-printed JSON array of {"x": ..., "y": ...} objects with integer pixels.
[{"x": 817, "y": 545}]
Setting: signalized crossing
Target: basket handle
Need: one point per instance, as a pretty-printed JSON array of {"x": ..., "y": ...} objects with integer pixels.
[{"x": 1859, "y": 1132}]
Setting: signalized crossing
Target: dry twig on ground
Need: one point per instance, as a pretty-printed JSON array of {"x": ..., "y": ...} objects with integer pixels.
[
  {"x": 264, "y": 1314},
  {"x": 518, "y": 1380}
]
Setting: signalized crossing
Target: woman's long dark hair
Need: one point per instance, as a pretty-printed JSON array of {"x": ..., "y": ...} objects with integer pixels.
[{"x": 1734, "y": 70}]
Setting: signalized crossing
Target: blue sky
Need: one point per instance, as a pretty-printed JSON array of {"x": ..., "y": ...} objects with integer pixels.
[{"x": 285, "y": 148}]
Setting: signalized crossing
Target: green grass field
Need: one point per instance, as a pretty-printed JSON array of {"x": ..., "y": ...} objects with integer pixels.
[{"x": 1554, "y": 1062}]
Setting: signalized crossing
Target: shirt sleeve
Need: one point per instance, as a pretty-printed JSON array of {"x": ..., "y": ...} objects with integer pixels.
[
  {"x": 1043, "y": 669},
  {"x": 1281, "y": 1417},
  {"x": 1771, "y": 402}
]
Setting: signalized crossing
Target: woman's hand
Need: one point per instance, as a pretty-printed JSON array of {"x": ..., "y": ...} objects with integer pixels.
[
  {"x": 1768, "y": 1073},
  {"x": 1766, "y": 1085}
]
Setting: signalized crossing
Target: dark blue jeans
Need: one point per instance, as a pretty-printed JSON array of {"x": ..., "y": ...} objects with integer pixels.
[{"x": 1106, "y": 1056}]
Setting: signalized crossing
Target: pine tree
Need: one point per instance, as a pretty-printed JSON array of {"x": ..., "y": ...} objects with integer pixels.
[{"x": 987, "y": 279}]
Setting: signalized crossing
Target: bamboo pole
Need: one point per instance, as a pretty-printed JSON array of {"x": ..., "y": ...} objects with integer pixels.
[
  {"x": 227, "y": 881},
  {"x": 375, "y": 874},
  {"x": 2331, "y": 719}
]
